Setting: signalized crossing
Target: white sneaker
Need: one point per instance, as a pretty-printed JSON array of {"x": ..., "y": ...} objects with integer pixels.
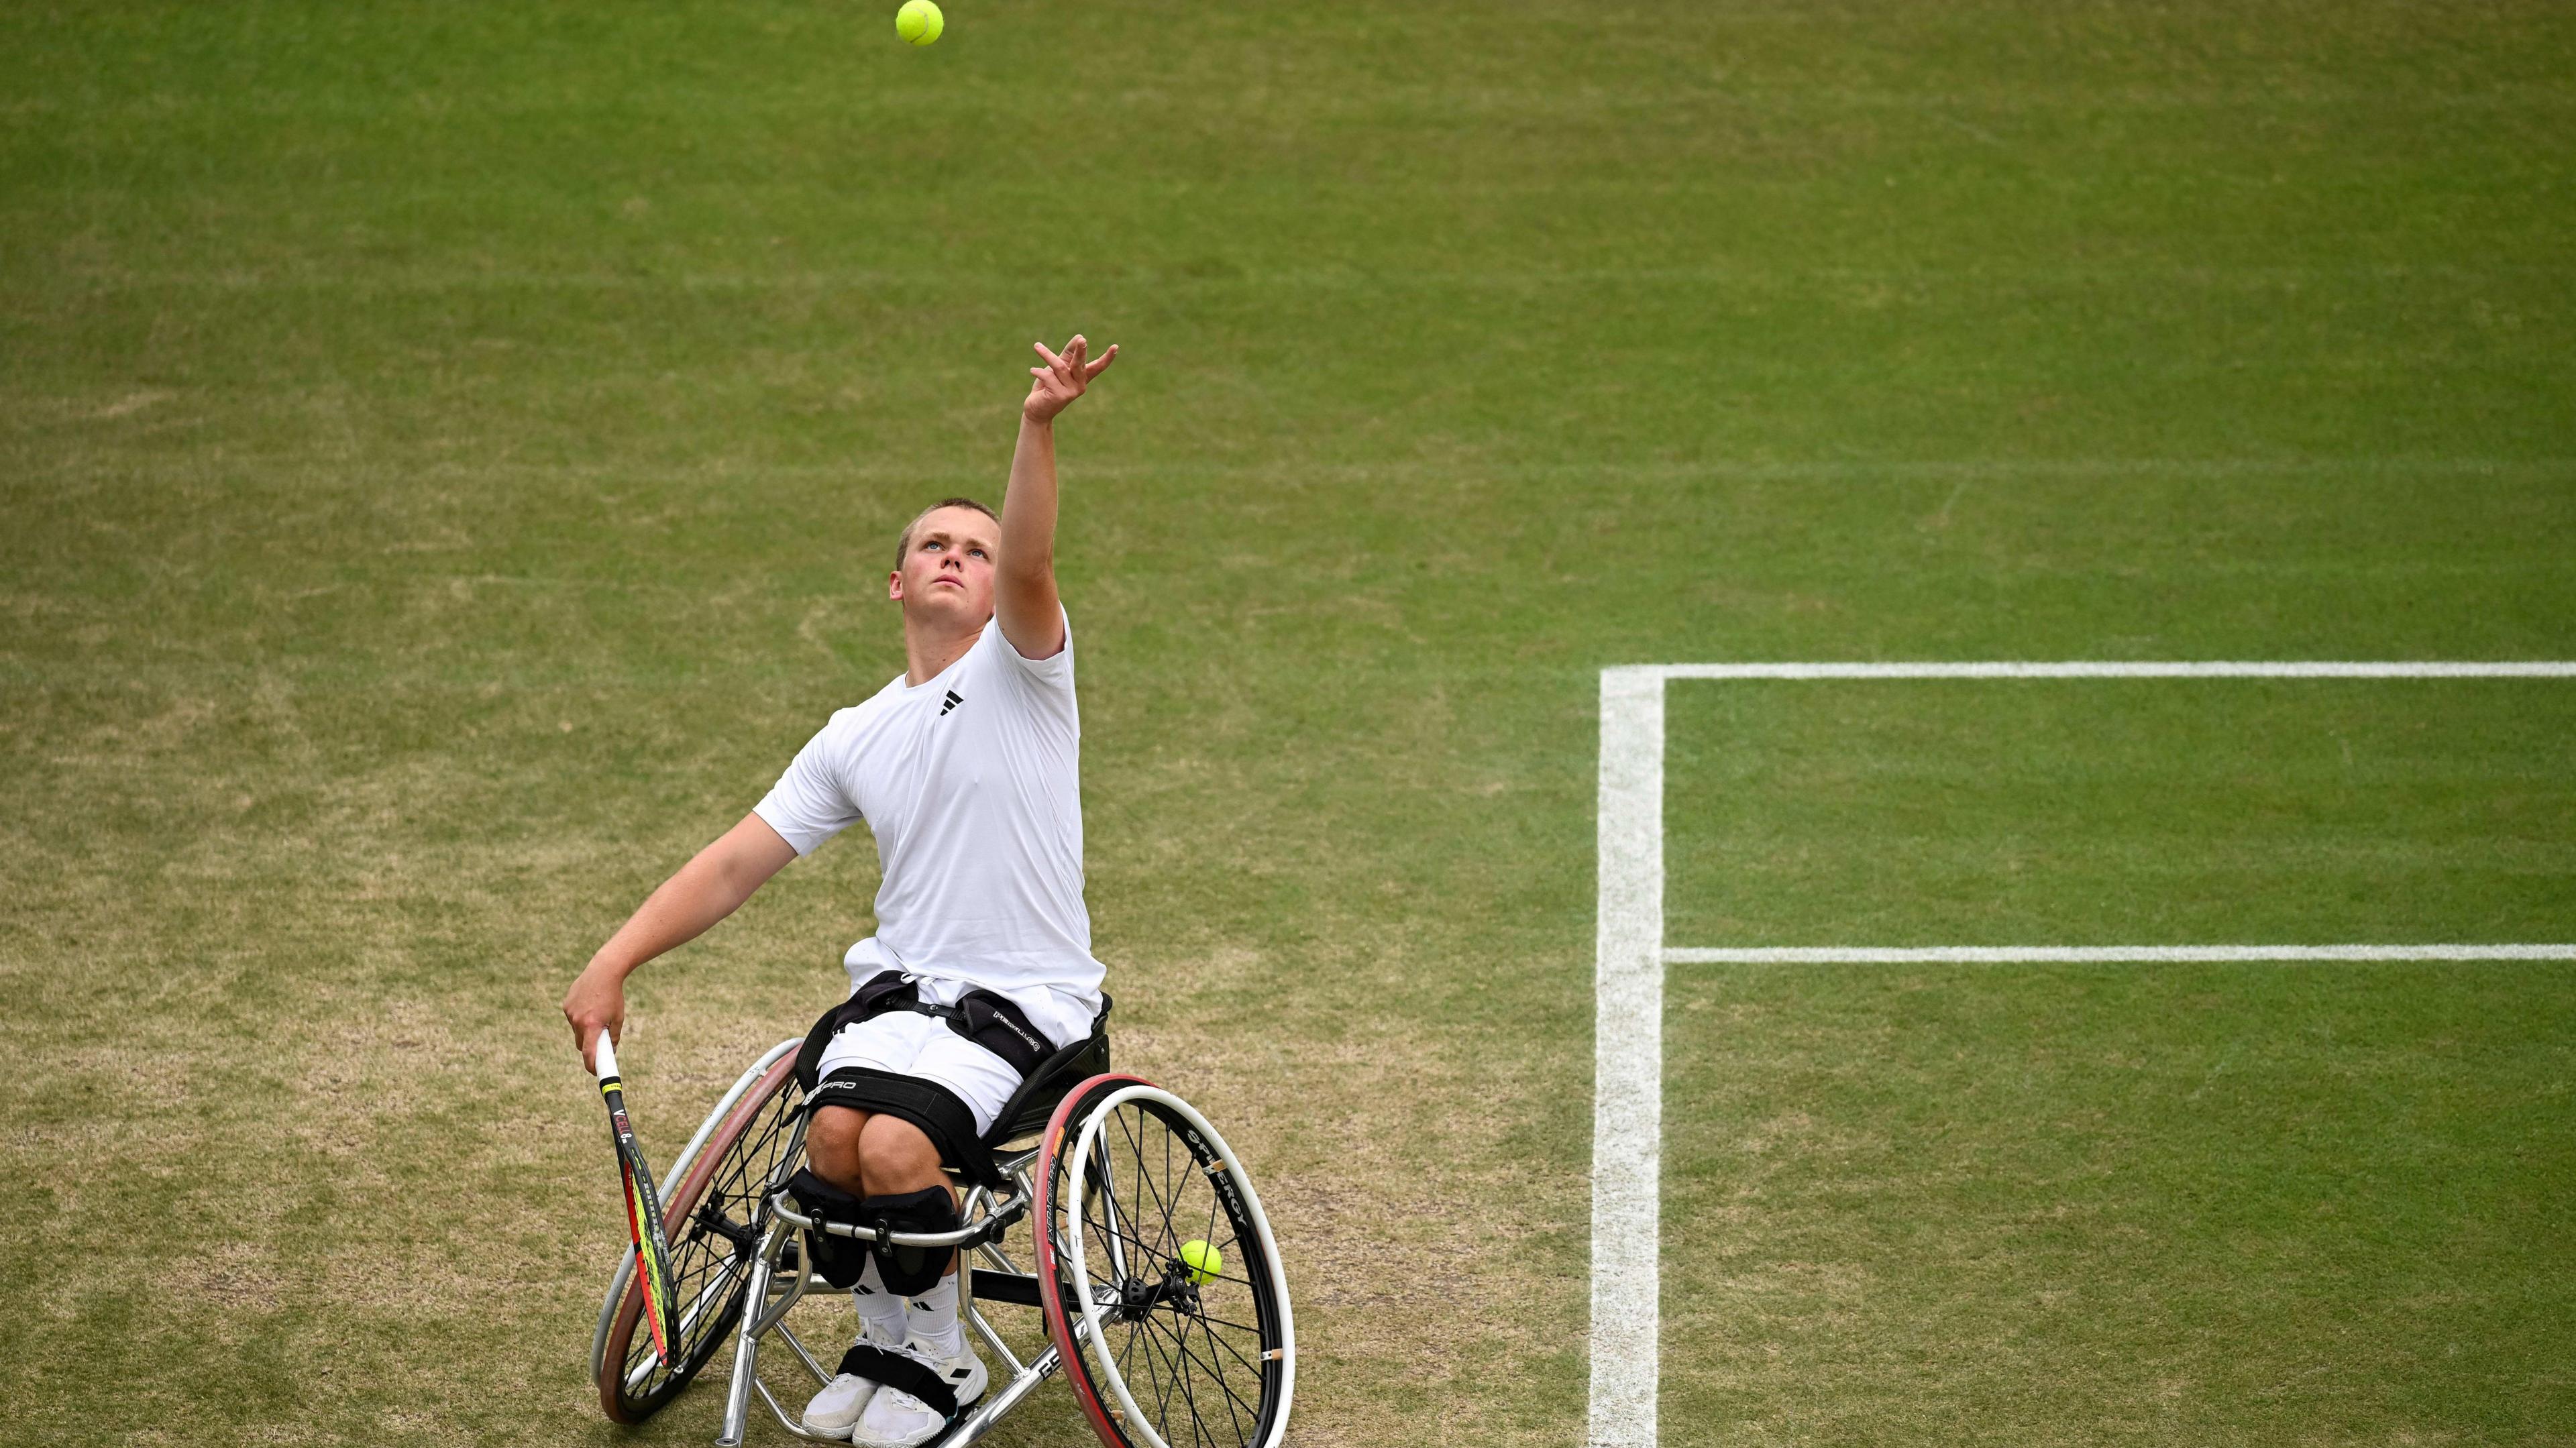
[
  {"x": 835, "y": 1410},
  {"x": 897, "y": 1419}
]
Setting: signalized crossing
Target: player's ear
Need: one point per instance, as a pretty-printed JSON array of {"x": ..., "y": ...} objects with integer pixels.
[{"x": 894, "y": 585}]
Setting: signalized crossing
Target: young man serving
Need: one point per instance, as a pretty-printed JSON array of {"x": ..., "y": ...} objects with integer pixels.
[{"x": 966, "y": 768}]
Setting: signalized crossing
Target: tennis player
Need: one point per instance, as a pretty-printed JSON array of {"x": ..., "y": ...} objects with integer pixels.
[{"x": 966, "y": 768}]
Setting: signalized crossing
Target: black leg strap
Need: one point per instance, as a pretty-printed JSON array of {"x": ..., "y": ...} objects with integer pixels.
[
  {"x": 895, "y": 1368},
  {"x": 911, "y": 1271}
]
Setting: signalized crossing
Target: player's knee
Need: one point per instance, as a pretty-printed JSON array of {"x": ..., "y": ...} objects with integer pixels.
[
  {"x": 832, "y": 1144},
  {"x": 893, "y": 1150}
]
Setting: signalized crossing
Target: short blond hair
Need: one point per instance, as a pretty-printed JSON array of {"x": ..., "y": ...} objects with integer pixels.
[{"x": 903, "y": 544}]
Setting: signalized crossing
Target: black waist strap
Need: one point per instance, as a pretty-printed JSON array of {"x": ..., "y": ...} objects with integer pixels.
[
  {"x": 987, "y": 1018},
  {"x": 990, "y": 1020}
]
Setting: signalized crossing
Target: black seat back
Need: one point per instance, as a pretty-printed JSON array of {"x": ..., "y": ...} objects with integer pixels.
[{"x": 1027, "y": 1111}]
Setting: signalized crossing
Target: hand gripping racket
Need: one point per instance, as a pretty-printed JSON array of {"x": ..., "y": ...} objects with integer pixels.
[{"x": 643, "y": 1209}]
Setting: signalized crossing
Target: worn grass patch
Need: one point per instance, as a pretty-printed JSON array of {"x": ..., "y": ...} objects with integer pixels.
[{"x": 446, "y": 452}]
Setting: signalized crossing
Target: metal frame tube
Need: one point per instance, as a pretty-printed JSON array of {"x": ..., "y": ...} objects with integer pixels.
[
  {"x": 997, "y": 1219},
  {"x": 992, "y": 1339},
  {"x": 746, "y": 1343},
  {"x": 813, "y": 1368},
  {"x": 1109, "y": 1209},
  {"x": 1002, "y": 1400}
]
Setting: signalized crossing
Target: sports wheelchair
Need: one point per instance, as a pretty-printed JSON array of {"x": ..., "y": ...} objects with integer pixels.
[{"x": 1114, "y": 1175}]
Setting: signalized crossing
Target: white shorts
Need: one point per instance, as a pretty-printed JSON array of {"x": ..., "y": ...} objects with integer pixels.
[{"x": 908, "y": 1043}]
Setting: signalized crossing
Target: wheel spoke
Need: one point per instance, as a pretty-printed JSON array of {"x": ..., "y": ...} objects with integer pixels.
[
  {"x": 1237, "y": 1326},
  {"x": 1127, "y": 1347},
  {"x": 1180, "y": 1344},
  {"x": 1214, "y": 1369},
  {"x": 1189, "y": 1359},
  {"x": 1212, "y": 1323},
  {"x": 1131, "y": 1121},
  {"x": 1233, "y": 1400},
  {"x": 1153, "y": 1345}
]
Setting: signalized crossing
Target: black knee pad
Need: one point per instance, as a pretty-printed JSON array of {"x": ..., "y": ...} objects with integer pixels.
[
  {"x": 912, "y": 1270},
  {"x": 839, "y": 1259}
]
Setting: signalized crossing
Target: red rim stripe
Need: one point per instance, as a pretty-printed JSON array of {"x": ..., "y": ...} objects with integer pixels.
[{"x": 1059, "y": 1321}]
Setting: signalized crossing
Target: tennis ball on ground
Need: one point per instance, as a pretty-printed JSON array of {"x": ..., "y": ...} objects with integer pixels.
[
  {"x": 1203, "y": 1261},
  {"x": 919, "y": 22}
]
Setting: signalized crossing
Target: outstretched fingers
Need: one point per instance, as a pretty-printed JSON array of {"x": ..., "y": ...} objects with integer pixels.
[{"x": 1065, "y": 374}]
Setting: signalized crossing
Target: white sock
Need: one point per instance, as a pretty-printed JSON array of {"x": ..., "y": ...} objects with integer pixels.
[
  {"x": 880, "y": 1312},
  {"x": 934, "y": 1318}
]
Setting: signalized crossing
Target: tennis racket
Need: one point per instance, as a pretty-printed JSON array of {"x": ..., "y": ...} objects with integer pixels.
[{"x": 643, "y": 1209}]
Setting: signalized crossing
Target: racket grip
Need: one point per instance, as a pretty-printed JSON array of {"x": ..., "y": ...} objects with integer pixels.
[{"x": 604, "y": 1055}]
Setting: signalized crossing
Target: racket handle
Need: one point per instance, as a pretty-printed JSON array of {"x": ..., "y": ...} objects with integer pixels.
[{"x": 605, "y": 1057}]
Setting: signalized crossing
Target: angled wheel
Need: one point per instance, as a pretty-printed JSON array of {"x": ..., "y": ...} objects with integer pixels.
[
  {"x": 1167, "y": 1343},
  {"x": 714, "y": 1215}
]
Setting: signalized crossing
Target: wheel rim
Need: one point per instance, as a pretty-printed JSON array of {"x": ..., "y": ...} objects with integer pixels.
[
  {"x": 1188, "y": 1364},
  {"x": 714, "y": 1221}
]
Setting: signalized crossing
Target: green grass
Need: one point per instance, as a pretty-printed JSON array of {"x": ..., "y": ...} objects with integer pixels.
[
  {"x": 447, "y": 454},
  {"x": 2273, "y": 1204},
  {"x": 2121, "y": 812}
]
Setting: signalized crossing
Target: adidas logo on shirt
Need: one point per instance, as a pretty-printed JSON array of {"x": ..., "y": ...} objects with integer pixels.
[{"x": 954, "y": 699}]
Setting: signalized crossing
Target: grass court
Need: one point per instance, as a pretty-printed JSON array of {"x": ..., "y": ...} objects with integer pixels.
[{"x": 449, "y": 455}]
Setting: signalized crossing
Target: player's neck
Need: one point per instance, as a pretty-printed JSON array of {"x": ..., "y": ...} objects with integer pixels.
[{"x": 928, "y": 648}]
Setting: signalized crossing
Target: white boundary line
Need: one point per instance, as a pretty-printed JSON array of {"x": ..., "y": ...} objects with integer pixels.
[
  {"x": 1629, "y": 957},
  {"x": 1628, "y": 1060},
  {"x": 2302, "y": 669},
  {"x": 2105, "y": 954}
]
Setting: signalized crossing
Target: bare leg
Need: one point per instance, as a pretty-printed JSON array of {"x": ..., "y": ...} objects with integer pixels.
[{"x": 832, "y": 1146}]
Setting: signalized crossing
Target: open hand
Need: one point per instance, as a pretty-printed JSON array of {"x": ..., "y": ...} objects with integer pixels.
[{"x": 1063, "y": 377}]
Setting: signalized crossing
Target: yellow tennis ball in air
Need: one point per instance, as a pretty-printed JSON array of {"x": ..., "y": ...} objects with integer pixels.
[
  {"x": 1203, "y": 1261},
  {"x": 919, "y": 22}
]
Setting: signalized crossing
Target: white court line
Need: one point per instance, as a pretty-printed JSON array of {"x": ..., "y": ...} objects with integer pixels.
[
  {"x": 1628, "y": 1060},
  {"x": 1629, "y": 956},
  {"x": 2103, "y": 954},
  {"x": 2300, "y": 669}
]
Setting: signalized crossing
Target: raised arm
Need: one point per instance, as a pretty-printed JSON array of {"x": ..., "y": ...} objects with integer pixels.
[
  {"x": 1024, "y": 596},
  {"x": 707, "y": 889}
]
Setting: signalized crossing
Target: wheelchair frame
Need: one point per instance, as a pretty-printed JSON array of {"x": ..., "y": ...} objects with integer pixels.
[{"x": 779, "y": 1277}]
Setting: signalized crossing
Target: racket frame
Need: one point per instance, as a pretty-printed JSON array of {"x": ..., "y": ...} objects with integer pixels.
[{"x": 652, "y": 1244}]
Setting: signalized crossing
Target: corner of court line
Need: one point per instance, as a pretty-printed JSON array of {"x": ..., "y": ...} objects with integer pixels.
[
  {"x": 1629, "y": 957},
  {"x": 1628, "y": 1059}
]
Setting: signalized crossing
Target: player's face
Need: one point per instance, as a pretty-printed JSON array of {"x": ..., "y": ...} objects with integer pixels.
[{"x": 948, "y": 567}]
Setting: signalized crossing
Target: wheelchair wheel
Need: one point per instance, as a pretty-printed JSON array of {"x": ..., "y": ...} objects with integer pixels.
[
  {"x": 1159, "y": 1358},
  {"x": 715, "y": 1217}
]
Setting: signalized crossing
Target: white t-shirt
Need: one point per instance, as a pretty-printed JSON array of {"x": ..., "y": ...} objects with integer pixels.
[{"x": 971, "y": 781}]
